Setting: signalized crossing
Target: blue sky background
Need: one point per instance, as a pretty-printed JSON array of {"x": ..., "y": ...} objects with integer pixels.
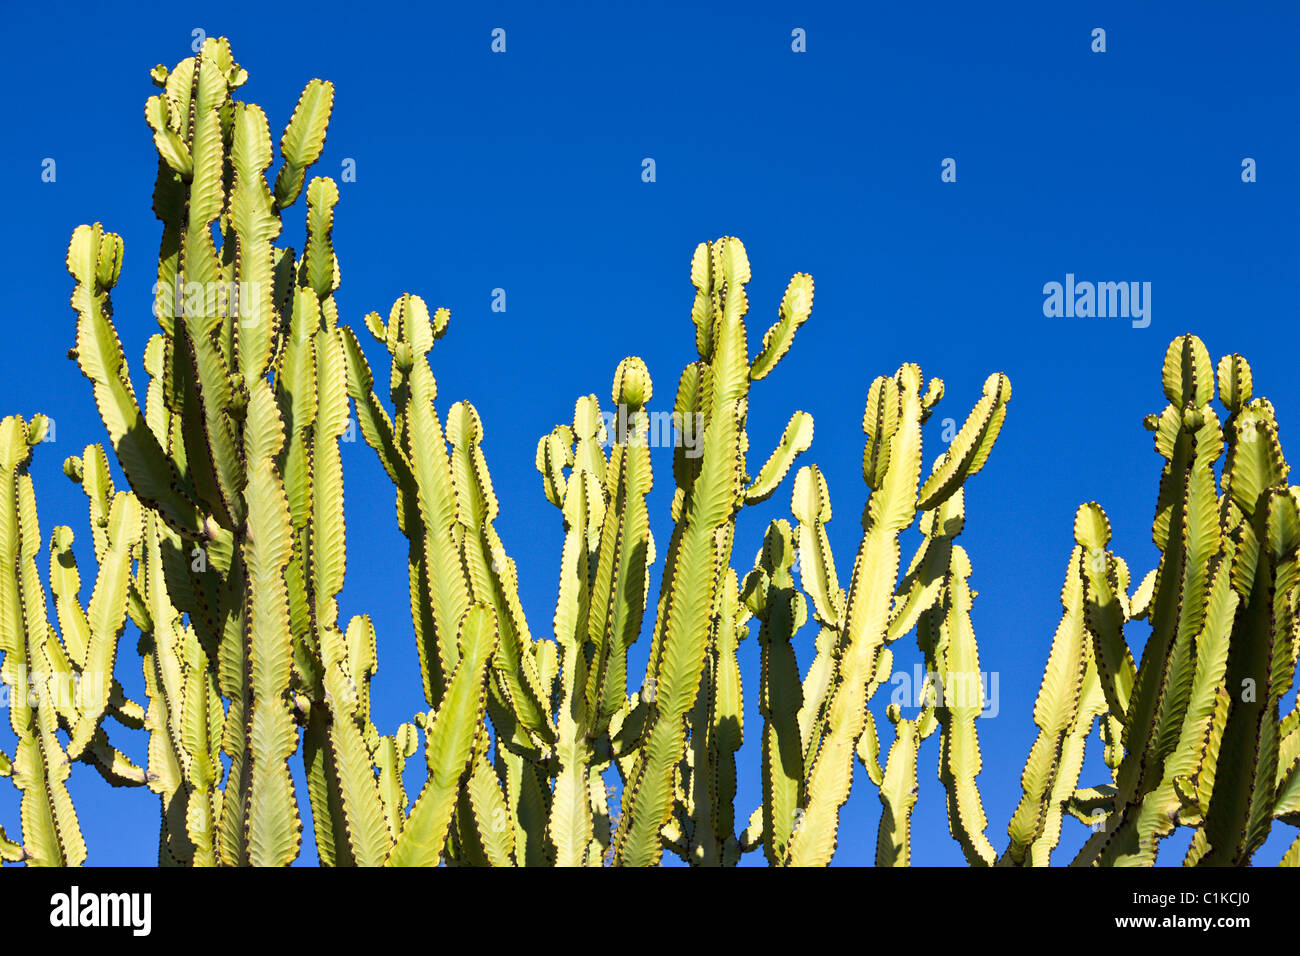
[{"x": 522, "y": 171}]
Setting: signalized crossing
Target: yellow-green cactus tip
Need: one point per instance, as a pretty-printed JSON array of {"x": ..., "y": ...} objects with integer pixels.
[
  {"x": 632, "y": 385},
  {"x": 37, "y": 428},
  {"x": 441, "y": 319},
  {"x": 998, "y": 386},
  {"x": 1091, "y": 527},
  {"x": 1235, "y": 382}
]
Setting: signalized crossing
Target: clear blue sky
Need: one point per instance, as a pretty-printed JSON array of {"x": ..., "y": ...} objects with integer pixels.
[{"x": 522, "y": 171}]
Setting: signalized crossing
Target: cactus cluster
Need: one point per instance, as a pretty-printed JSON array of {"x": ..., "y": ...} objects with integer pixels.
[
  {"x": 1193, "y": 733},
  {"x": 226, "y": 552}
]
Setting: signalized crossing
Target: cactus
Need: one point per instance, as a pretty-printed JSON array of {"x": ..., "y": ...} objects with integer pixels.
[
  {"x": 1193, "y": 732},
  {"x": 227, "y": 553}
]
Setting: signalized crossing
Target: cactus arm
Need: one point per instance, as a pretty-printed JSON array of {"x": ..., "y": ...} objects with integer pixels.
[
  {"x": 350, "y": 823},
  {"x": 602, "y": 824},
  {"x": 125, "y": 711},
  {"x": 172, "y": 147},
  {"x": 303, "y": 139},
  {"x": 91, "y": 473},
  {"x": 1200, "y": 542},
  {"x": 569, "y": 828},
  {"x": 202, "y": 720},
  {"x": 51, "y": 832},
  {"x": 381, "y": 434},
  {"x": 696, "y": 801},
  {"x": 412, "y": 449},
  {"x": 183, "y": 770},
  {"x": 233, "y": 666},
  {"x": 191, "y": 292},
  {"x": 647, "y": 797},
  {"x": 528, "y": 799},
  {"x": 1200, "y": 845},
  {"x": 95, "y": 260},
  {"x": 1176, "y": 799},
  {"x": 795, "y": 440},
  {"x": 74, "y": 696},
  {"x": 310, "y": 385},
  {"x": 1092, "y": 703},
  {"x": 98, "y": 692},
  {"x": 959, "y": 750},
  {"x": 751, "y": 838},
  {"x": 271, "y": 829},
  {"x": 716, "y": 724},
  {"x": 353, "y": 801},
  {"x": 620, "y": 586},
  {"x": 1140, "y": 601},
  {"x": 1104, "y": 594},
  {"x": 890, "y": 509},
  {"x": 391, "y": 754},
  {"x": 810, "y": 503},
  {"x": 898, "y": 792},
  {"x": 606, "y": 613},
  {"x": 922, "y": 587},
  {"x": 115, "y": 767},
  {"x": 1060, "y": 711},
  {"x": 164, "y": 688},
  {"x": 1243, "y": 801},
  {"x": 464, "y": 846},
  {"x": 207, "y": 351},
  {"x": 727, "y": 733},
  {"x": 255, "y": 227},
  {"x": 491, "y": 575},
  {"x": 868, "y": 751},
  {"x": 970, "y": 448},
  {"x": 770, "y": 592},
  {"x": 690, "y": 580},
  {"x": 554, "y": 454},
  {"x": 318, "y": 269},
  {"x": 517, "y": 683},
  {"x": 65, "y": 585},
  {"x": 1089, "y": 802},
  {"x": 297, "y": 391},
  {"x": 376, "y": 427},
  {"x": 106, "y": 618},
  {"x": 493, "y": 828},
  {"x": 571, "y": 825},
  {"x": 411, "y": 334},
  {"x": 171, "y": 387},
  {"x": 449, "y": 742},
  {"x": 688, "y": 409},
  {"x": 796, "y": 306},
  {"x": 329, "y": 822},
  {"x": 700, "y": 548},
  {"x": 818, "y": 686},
  {"x": 361, "y": 832}
]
